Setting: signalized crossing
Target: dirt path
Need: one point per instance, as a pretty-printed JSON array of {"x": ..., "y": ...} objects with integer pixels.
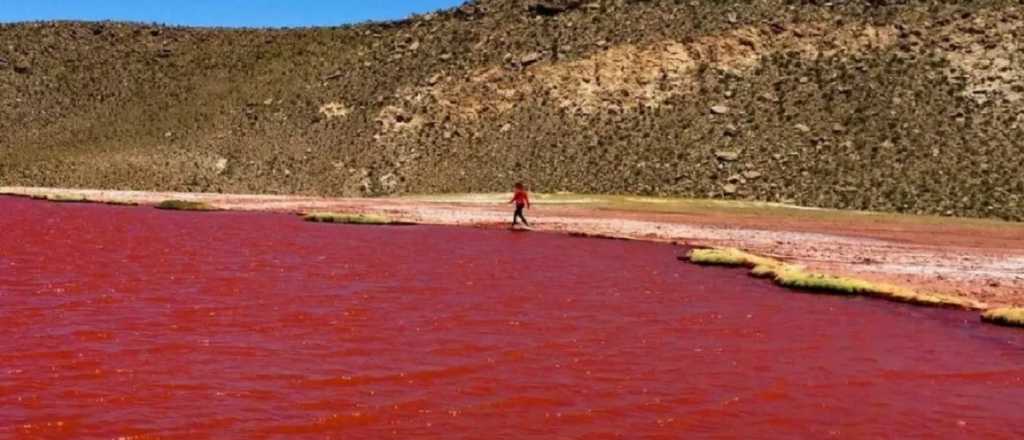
[{"x": 976, "y": 259}]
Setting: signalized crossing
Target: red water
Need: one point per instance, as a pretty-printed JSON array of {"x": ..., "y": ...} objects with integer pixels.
[{"x": 121, "y": 322}]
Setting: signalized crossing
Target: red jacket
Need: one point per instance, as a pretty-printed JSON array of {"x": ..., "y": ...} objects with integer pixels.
[{"x": 520, "y": 198}]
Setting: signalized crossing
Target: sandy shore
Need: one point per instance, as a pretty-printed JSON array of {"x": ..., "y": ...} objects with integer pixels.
[{"x": 979, "y": 260}]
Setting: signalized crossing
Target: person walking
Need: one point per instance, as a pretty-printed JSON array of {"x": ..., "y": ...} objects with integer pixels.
[{"x": 521, "y": 199}]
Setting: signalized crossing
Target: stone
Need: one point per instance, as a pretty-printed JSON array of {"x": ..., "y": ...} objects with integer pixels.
[
  {"x": 506, "y": 128},
  {"x": 838, "y": 128},
  {"x": 752, "y": 175},
  {"x": 388, "y": 182},
  {"x": 730, "y": 188},
  {"x": 731, "y": 130},
  {"x": 553, "y": 8},
  {"x": 530, "y": 58},
  {"x": 221, "y": 165},
  {"x": 727, "y": 156},
  {"x": 467, "y": 10},
  {"x": 720, "y": 109},
  {"x": 802, "y": 128},
  {"x": 334, "y": 110}
]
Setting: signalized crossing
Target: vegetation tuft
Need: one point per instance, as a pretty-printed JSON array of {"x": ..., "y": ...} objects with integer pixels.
[
  {"x": 351, "y": 219},
  {"x": 64, "y": 198},
  {"x": 183, "y": 205},
  {"x": 1008, "y": 316},
  {"x": 793, "y": 276}
]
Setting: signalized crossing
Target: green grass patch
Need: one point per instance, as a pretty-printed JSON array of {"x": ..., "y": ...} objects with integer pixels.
[
  {"x": 1009, "y": 316},
  {"x": 183, "y": 205},
  {"x": 796, "y": 277},
  {"x": 351, "y": 219}
]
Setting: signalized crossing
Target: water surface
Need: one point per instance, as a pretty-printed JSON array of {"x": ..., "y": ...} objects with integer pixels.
[{"x": 129, "y": 321}]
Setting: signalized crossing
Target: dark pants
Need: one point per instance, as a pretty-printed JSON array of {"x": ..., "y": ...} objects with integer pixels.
[{"x": 519, "y": 215}]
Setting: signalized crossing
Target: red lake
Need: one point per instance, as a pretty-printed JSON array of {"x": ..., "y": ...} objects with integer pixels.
[{"x": 130, "y": 322}]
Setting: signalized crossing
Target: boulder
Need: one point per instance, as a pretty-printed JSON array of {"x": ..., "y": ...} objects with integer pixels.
[
  {"x": 551, "y": 8},
  {"x": 727, "y": 156},
  {"x": 530, "y": 58},
  {"x": 468, "y": 10},
  {"x": 731, "y": 130},
  {"x": 221, "y": 165}
]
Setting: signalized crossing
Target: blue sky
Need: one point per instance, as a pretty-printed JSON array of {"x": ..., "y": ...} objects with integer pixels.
[{"x": 229, "y": 13}]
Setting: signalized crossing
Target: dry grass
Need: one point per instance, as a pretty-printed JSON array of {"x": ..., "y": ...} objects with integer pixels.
[
  {"x": 1009, "y": 316},
  {"x": 62, "y": 198},
  {"x": 581, "y": 234},
  {"x": 793, "y": 276},
  {"x": 183, "y": 205},
  {"x": 694, "y": 206},
  {"x": 351, "y": 219},
  {"x": 74, "y": 198}
]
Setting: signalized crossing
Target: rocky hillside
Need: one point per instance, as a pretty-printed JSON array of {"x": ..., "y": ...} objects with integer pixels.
[{"x": 907, "y": 106}]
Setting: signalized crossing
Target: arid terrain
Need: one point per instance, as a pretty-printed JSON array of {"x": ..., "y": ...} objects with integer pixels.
[
  {"x": 894, "y": 106},
  {"x": 979, "y": 260}
]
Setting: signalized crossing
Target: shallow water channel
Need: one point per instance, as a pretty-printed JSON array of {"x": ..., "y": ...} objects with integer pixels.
[{"x": 130, "y": 321}]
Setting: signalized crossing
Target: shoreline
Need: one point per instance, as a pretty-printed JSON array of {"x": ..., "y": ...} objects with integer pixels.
[{"x": 981, "y": 261}]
